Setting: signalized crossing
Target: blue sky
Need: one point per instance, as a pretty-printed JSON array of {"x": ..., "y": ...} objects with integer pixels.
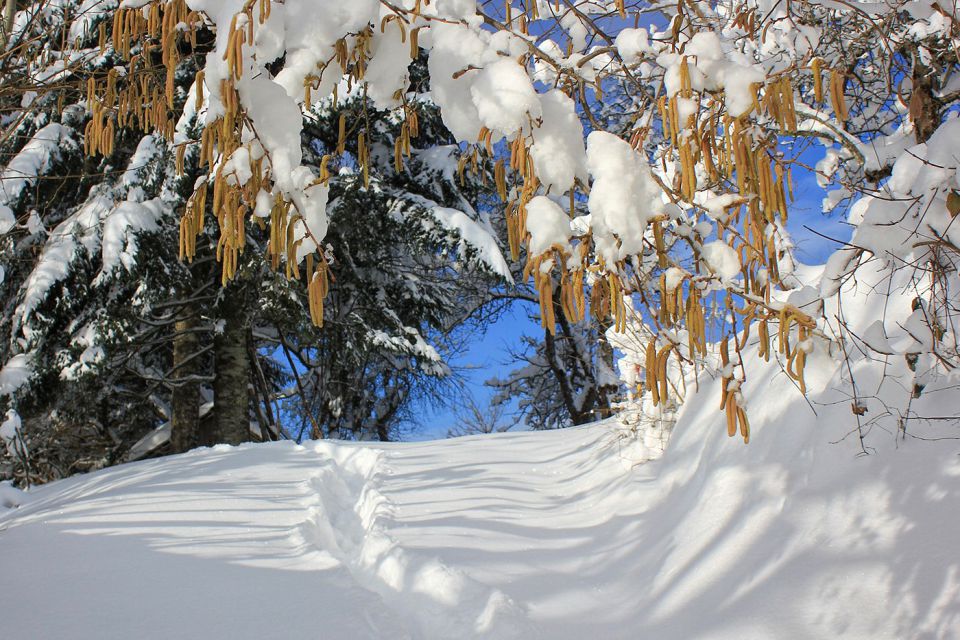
[{"x": 488, "y": 355}]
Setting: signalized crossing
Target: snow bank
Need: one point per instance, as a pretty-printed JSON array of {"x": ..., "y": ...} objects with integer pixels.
[{"x": 553, "y": 535}]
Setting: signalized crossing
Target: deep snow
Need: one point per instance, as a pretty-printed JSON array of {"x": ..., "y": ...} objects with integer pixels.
[{"x": 554, "y": 535}]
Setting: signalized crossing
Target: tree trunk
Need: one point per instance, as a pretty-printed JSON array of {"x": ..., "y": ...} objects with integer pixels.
[
  {"x": 383, "y": 421},
  {"x": 230, "y": 394},
  {"x": 560, "y": 369},
  {"x": 9, "y": 11},
  {"x": 185, "y": 398},
  {"x": 606, "y": 387}
]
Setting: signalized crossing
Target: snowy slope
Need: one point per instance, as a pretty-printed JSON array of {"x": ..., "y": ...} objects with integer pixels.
[{"x": 551, "y": 535}]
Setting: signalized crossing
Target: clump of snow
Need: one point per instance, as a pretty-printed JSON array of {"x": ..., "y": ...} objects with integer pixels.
[
  {"x": 548, "y": 226},
  {"x": 717, "y": 206},
  {"x": 623, "y": 198},
  {"x": 721, "y": 259},
  {"x": 476, "y": 236},
  {"x": 875, "y": 338},
  {"x": 34, "y": 160},
  {"x": 455, "y": 50},
  {"x": 505, "y": 98},
  {"x": 91, "y": 355},
  {"x": 387, "y": 72},
  {"x": 558, "y": 154},
  {"x": 120, "y": 229},
  {"x": 15, "y": 373},
  {"x": 714, "y": 64},
  {"x": 7, "y": 219},
  {"x": 632, "y": 44},
  {"x": 673, "y": 277},
  {"x": 10, "y": 433}
]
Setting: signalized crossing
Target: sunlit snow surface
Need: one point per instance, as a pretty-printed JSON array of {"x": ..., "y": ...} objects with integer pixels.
[{"x": 520, "y": 535}]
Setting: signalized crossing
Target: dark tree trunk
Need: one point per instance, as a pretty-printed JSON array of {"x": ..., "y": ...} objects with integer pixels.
[
  {"x": 230, "y": 393},
  {"x": 269, "y": 429},
  {"x": 9, "y": 10},
  {"x": 605, "y": 358},
  {"x": 565, "y": 371},
  {"x": 384, "y": 419},
  {"x": 185, "y": 398}
]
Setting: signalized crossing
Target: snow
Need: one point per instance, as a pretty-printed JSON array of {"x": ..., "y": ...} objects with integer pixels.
[
  {"x": 33, "y": 160},
  {"x": 80, "y": 228},
  {"x": 548, "y": 226},
  {"x": 547, "y": 534},
  {"x": 120, "y": 229},
  {"x": 10, "y": 433},
  {"x": 718, "y": 206},
  {"x": 721, "y": 259},
  {"x": 673, "y": 277},
  {"x": 589, "y": 532},
  {"x": 476, "y": 236},
  {"x": 505, "y": 98},
  {"x": 7, "y": 219},
  {"x": 454, "y": 49},
  {"x": 10, "y": 496},
  {"x": 912, "y": 204},
  {"x": 305, "y": 34},
  {"x": 557, "y": 151},
  {"x": 15, "y": 373},
  {"x": 91, "y": 355},
  {"x": 89, "y": 13},
  {"x": 387, "y": 72},
  {"x": 714, "y": 64},
  {"x": 632, "y": 44},
  {"x": 623, "y": 196}
]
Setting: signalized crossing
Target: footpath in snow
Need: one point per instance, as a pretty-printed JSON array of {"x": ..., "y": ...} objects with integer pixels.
[{"x": 528, "y": 535}]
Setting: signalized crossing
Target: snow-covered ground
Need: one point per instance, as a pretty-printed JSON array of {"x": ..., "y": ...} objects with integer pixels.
[{"x": 519, "y": 535}]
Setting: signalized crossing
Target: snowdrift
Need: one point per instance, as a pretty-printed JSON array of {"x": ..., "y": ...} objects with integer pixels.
[{"x": 552, "y": 535}]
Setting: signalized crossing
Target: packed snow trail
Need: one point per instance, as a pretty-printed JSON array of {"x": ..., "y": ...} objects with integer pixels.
[
  {"x": 557, "y": 535},
  {"x": 242, "y": 542}
]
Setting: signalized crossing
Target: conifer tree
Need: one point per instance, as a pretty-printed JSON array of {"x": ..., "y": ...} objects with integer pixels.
[{"x": 120, "y": 335}]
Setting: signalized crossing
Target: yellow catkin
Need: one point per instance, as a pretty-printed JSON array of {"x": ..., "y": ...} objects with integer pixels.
[
  {"x": 661, "y": 368},
  {"x": 650, "y": 369},
  {"x": 730, "y": 408},
  {"x": 199, "y": 82},
  {"x": 744, "y": 425},
  {"x": 659, "y": 244},
  {"x": 816, "y": 65},
  {"x": 837, "y": 98}
]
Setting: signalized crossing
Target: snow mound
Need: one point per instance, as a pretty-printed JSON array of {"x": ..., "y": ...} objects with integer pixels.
[{"x": 535, "y": 535}]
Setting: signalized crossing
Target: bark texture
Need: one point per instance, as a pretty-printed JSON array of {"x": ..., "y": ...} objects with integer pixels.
[
  {"x": 9, "y": 10},
  {"x": 185, "y": 398},
  {"x": 230, "y": 392}
]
